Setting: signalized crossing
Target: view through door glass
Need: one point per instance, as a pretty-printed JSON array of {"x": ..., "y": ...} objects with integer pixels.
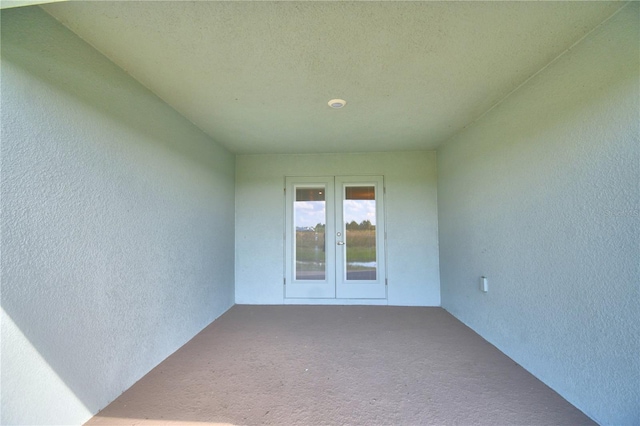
[
  {"x": 309, "y": 211},
  {"x": 359, "y": 211}
]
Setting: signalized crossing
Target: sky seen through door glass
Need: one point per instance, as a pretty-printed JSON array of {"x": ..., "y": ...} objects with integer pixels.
[{"x": 311, "y": 213}]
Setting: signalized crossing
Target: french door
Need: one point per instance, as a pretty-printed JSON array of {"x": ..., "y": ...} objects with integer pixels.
[{"x": 335, "y": 237}]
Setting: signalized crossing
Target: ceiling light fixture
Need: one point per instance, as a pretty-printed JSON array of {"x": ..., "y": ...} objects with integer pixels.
[{"x": 337, "y": 103}]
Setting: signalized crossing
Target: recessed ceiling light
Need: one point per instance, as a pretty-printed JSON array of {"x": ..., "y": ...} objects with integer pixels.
[{"x": 337, "y": 103}]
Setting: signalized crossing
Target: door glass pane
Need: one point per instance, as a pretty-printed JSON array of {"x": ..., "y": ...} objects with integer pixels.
[
  {"x": 359, "y": 210},
  {"x": 310, "y": 218}
]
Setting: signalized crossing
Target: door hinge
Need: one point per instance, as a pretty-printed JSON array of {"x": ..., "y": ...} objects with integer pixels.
[
  {"x": 284, "y": 281},
  {"x": 386, "y": 281}
]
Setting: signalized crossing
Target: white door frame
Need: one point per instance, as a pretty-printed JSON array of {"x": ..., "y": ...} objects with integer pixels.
[
  {"x": 294, "y": 288},
  {"x": 360, "y": 289},
  {"x": 334, "y": 286}
]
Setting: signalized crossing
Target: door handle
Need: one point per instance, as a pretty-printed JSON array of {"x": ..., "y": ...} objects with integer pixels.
[{"x": 340, "y": 243}]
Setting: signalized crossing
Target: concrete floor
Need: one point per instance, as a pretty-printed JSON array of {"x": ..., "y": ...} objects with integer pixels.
[{"x": 338, "y": 365}]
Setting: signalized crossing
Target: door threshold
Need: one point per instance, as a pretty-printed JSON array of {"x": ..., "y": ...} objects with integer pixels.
[{"x": 375, "y": 302}]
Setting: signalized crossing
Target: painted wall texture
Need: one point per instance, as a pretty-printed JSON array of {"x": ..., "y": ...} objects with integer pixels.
[
  {"x": 117, "y": 226},
  {"x": 411, "y": 211},
  {"x": 542, "y": 196}
]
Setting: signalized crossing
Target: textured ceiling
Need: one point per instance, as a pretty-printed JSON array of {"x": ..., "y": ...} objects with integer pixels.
[{"x": 257, "y": 76}]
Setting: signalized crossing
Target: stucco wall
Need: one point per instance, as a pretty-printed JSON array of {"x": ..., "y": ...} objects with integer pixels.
[
  {"x": 117, "y": 226},
  {"x": 542, "y": 196},
  {"x": 411, "y": 212}
]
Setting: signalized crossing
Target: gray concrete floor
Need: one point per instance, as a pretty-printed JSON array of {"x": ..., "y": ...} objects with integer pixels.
[{"x": 339, "y": 365}]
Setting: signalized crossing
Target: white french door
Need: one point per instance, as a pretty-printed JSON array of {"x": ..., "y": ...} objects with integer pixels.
[{"x": 334, "y": 238}]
